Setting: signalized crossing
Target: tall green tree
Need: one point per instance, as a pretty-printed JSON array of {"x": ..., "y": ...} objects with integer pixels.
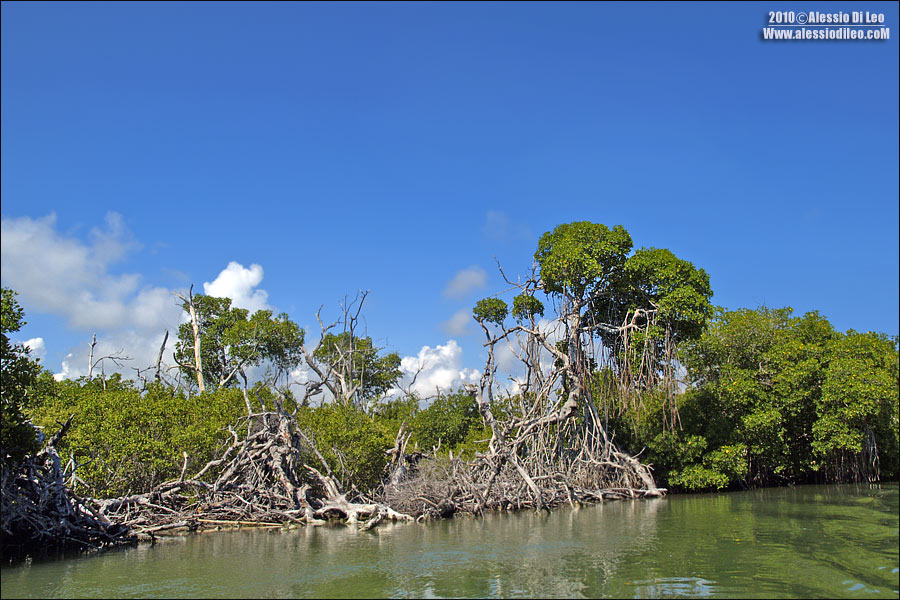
[
  {"x": 18, "y": 372},
  {"x": 654, "y": 278},
  {"x": 641, "y": 306},
  {"x": 582, "y": 261},
  {"x": 232, "y": 340},
  {"x": 858, "y": 427},
  {"x": 590, "y": 268}
]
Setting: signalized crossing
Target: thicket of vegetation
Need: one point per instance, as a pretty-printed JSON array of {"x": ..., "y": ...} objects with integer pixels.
[
  {"x": 635, "y": 361},
  {"x": 775, "y": 399},
  {"x": 125, "y": 440}
]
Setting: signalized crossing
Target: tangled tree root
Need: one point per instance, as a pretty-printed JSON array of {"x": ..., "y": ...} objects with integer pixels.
[
  {"x": 525, "y": 469},
  {"x": 263, "y": 480},
  {"x": 438, "y": 488},
  {"x": 40, "y": 514},
  {"x": 256, "y": 482}
]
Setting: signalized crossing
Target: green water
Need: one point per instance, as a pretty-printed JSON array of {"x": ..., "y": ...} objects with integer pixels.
[{"x": 803, "y": 542}]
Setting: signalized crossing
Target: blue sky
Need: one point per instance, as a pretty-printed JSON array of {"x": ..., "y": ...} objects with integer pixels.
[{"x": 396, "y": 147}]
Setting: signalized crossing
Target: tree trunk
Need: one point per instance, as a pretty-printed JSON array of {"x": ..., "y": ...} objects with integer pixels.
[{"x": 198, "y": 363}]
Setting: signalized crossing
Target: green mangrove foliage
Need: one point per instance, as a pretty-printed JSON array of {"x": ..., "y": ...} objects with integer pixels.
[
  {"x": 639, "y": 306},
  {"x": 126, "y": 441},
  {"x": 777, "y": 399},
  {"x": 582, "y": 260},
  {"x": 709, "y": 399},
  {"x": 232, "y": 340},
  {"x": 18, "y": 372}
]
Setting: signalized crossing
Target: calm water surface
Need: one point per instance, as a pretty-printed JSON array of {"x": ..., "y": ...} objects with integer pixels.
[{"x": 803, "y": 542}]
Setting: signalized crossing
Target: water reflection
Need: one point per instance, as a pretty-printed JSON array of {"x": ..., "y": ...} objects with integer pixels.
[
  {"x": 674, "y": 587},
  {"x": 813, "y": 541}
]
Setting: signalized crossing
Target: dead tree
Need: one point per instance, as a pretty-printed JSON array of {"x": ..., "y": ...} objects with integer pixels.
[
  {"x": 343, "y": 363},
  {"x": 118, "y": 357},
  {"x": 197, "y": 367}
]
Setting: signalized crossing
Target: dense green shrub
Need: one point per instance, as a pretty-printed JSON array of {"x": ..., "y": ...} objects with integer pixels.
[
  {"x": 126, "y": 441},
  {"x": 353, "y": 442},
  {"x": 775, "y": 399},
  {"x": 447, "y": 422}
]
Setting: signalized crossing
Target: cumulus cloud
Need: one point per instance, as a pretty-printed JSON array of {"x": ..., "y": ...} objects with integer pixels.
[
  {"x": 438, "y": 368},
  {"x": 36, "y": 347},
  {"x": 238, "y": 283},
  {"x": 466, "y": 281},
  {"x": 71, "y": 278},
  {"x": 460, "y": 323}
]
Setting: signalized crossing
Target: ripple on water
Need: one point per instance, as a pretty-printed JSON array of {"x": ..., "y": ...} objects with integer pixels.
[
  {"x": 764, "y": 543},
  {"x": 675, "y": 587}
]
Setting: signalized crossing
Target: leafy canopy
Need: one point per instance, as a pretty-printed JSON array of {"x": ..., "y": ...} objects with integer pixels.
[
  {"x": 232, "y": 340},
  {"x": 582, "y": 259},
  {"x": 590, "y": 263},
  {"x": 490, "y": 310},
  {"x": 802, "y": 397},
  {"x": 526, "y": 307}
]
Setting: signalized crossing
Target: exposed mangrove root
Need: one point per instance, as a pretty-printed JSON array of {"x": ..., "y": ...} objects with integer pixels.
[
  {"x": 260, "y": 480},
  {"x": 264, "y": 479},
  {"x": 39, "y": 513},
  {"x": 527, "y": 468},
  {"x": 444, "y": 487}
]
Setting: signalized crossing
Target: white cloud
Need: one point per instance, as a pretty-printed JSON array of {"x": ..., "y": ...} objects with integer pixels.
[
  {"x": 69, "y": 277},
  {"x": 36, "y": 347},
  {"x": 459, "y": 323},
  {"x": 66, "y": 372},
  {"x": 66, "y": 277},
  {"x": 299, "y": 375},
  {"x": 237, "y": 282},
  {"x": 438, "y": 368},
  {"x": 114, "y": 243},
  {"x": 466, "y": 281}
]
